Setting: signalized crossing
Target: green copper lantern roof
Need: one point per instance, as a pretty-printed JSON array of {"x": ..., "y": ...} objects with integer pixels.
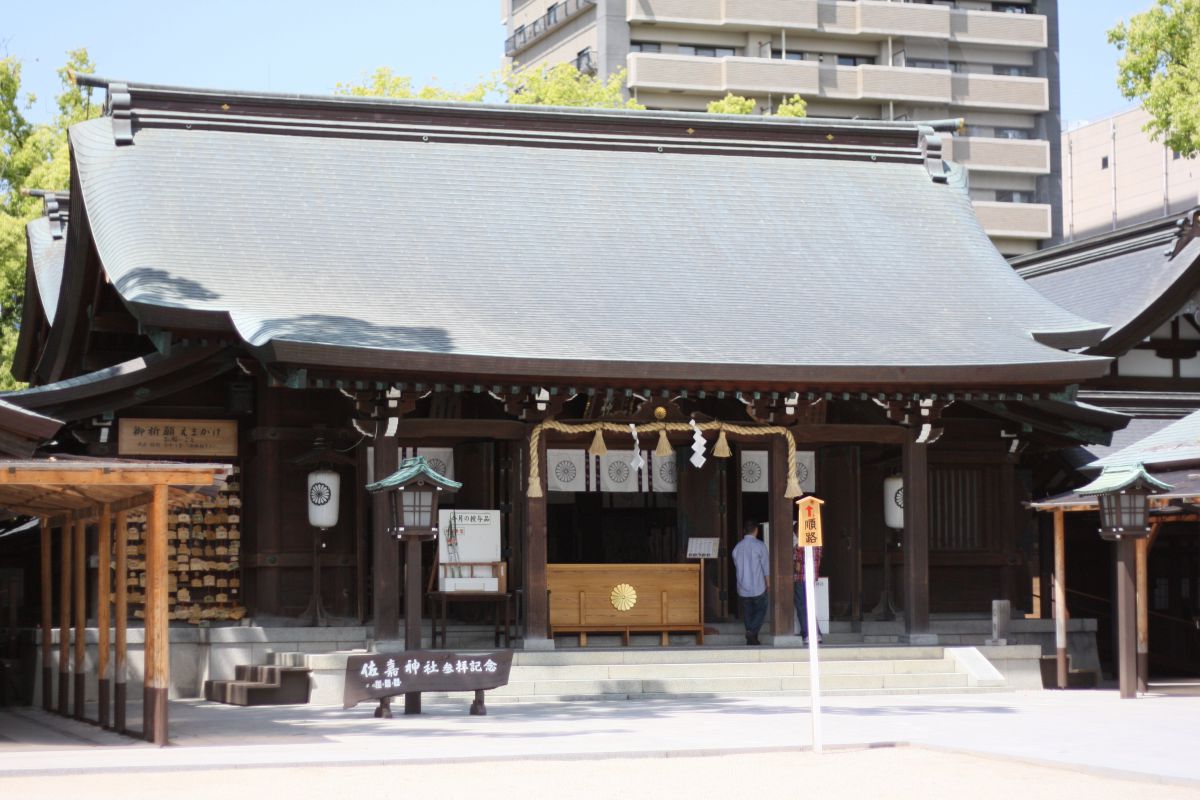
[
  {"x": 414, "y": 470},
  {"x": 1115, "y": 479}
]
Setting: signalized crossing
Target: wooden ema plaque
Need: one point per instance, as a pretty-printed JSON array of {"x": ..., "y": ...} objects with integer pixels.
[{"x": 177, "y": 437}]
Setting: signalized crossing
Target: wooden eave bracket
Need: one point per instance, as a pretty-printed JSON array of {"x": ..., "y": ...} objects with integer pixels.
[{"x": 923, "y": 415}]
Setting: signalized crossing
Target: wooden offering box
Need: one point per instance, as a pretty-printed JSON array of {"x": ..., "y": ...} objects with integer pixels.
[{"x": 625, "y": 598}]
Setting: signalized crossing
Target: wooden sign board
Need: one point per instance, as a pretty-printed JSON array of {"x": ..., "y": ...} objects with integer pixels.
[
  {"x": 378, "y": 675},
  {"x": 177, "y": 437},
  {"x": 810, "y": 521},
  {"x": 702, "y": 547}
]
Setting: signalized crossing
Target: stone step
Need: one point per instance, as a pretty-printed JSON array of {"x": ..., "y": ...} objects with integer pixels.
[
  {"x": 680, "y": 655},
  {"x": 726, "y": 669}
]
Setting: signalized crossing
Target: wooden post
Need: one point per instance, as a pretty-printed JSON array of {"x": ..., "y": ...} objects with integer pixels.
[
  {"x": 47, "y": 616},
  {"x": 916, "y": 534},
  {"x": 537, "y": 608},
  {"x": 103, "y": 589},
  {"x": 780, "y": 515},
  {"x": 1126, "y": 618},
  {"x": 64, "y": 620},
  {"x": 80, "y": 592},
  {"x": 386, "y": 575},
  {"x": 413, "y": 591},
  {"x": 158, "y": 657},
  {"x": 1060, "y": 595},
  {"x": 121, "y": 611},
  {"x": 1143, "y": 616}
]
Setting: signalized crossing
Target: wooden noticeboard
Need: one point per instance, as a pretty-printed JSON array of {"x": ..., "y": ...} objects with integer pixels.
[
  {"x": 810, "y": 521},
  {"x": 177, "y": 437}
]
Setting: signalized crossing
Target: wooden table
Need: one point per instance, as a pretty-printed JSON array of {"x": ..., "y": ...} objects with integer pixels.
[{"x": 501, "y": 602}]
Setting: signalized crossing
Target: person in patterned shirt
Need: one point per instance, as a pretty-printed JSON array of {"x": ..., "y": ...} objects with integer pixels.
[{"x": 798, "y": 586}]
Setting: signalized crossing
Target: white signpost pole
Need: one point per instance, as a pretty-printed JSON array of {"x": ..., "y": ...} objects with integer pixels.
[{"x": 814, "y": 634}]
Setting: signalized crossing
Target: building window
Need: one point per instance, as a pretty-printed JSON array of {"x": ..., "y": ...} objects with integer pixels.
[
  {"x": 552, "y": 14},
  {"x": 1010, "y": 8},
  {"x": 706, "y": 51},
  {"x": 792, "y": 55},
  {"x": 1175, "y": 156},
  {"x": 1104, "y": 162},
  {"x": 645, "y": 47},
  {"x": 924, "y": 63},
  {"x": 1012, "y": 133},
  {"x": 854, "y": 61},
  {"x": 1014, "y": 196},
  {"x": 1014, "y": 71}
]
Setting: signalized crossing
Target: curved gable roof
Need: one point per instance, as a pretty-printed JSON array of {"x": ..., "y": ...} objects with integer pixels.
[{"x": 375, "y": 235}]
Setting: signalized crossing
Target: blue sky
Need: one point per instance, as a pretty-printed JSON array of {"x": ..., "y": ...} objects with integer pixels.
[{"x": 306, "y": 46}]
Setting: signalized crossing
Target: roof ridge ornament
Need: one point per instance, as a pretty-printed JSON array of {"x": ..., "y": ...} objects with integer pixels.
[
  {"x": 119, "y": 107},
  {"x": 931, "y": 149}
]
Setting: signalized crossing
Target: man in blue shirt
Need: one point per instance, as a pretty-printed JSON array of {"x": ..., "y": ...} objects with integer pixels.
[{"x": 750, "y": 560}]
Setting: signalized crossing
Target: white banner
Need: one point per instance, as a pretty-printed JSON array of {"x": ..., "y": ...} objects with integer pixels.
[
  {"x": 755, "y": 477},
  {"x": 806, "y": 470},
  {"x": 616, "y": 474},
  {"x": 663, "y": 476},
  {"x": 566, "y": 470},
  {"x": 440, "y": 458}
]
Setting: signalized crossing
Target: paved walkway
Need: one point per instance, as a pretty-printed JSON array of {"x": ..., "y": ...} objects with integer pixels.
[{"x": 1153, "y": 738}]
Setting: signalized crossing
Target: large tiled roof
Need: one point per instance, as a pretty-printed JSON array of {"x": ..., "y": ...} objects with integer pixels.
[
  {"x": 46, "y": 252},
  {"x": 1133, "y": 279},
  {"x": 1174, "y": 445},
  {"x": 398, "y": 241}
]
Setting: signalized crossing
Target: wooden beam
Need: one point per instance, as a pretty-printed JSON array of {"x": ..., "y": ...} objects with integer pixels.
[
  {"x": 80, "y": 592},
  {"x": 537, "y": 606},
  {"x": 915, "y": 459},
  {"x": 463, "y": 429},
  {"x": 106, "y": 476},
  {"x": 158, "y": 657},
  {"x": 1060, "y": 596},
  {"x": 103, "y": 590},
  {"x": 64, "y": 620},
  {"x": 121, "y": 612},
  {"x": 848, "y": 434},
  {"x": 779, "y": 515},
  {"x": 47, "y": 616}
]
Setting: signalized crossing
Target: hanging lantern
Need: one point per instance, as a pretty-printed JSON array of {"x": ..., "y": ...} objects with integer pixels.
[
  {"x": 324, "y": 487},
  {"x": 893, "y": 502}
]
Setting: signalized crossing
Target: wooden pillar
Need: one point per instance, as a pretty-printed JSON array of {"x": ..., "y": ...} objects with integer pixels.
[
  {"x": 64, "y": 619},
  {"x": 158, "y": 657},
  {"x": 916, "y": 534},
  {"x": 1060, "y": 595},
  {"x": 1143, "y": 616},
  {"x": 103, "y": 589},
  {"x": 386, "y": 574},
  {"x": 537, "y": 607},
  {"x": 1126, "y": 617},
  {"x": 780, "y": 513},
  {"x": 80, "y": 594},
  {"x": 47, "y": 616},
  {"x": 414, "y": 590},
  {"x": 121, "y": 612}
]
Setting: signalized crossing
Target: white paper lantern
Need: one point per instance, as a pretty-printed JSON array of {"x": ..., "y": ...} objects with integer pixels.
[
  {"x": 893, "y": 501},
  {"x": 324, "y": 487}
]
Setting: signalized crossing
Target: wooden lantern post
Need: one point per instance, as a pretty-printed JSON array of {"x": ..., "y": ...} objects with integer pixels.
[
  {"x": 413, "y": 492},
  {"x": 1123, "y": 493}
]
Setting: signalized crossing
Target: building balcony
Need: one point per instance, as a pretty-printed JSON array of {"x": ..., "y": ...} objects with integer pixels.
[
  {"x": 555, "y": 17},
  {"x": 986, "y": 154},
  {"x": 1014, "y": 220},
  {"x": 873, "y": 18},
  {"x": 867, "y": 82},
  {"x": 717, "y": 76}
]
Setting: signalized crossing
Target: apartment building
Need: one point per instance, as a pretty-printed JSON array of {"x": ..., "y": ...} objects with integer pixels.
[
  {"x": 1115, "y": 175},
  {"x": 995, "y": 64}
]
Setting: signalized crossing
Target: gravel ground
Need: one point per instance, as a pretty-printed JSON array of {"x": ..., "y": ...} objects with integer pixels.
[{"x": 898, "y": 772}]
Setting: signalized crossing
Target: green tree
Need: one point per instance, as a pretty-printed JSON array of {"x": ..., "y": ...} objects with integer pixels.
[
  {"x": 732, "y": 104},
  {"x": 564, "y": 85},
  {"x": 32, "y": 156},
  {"x": 559, "y": 85},
  {"x": 793, "y": 106},
  {"x": 1160, "y": 66}
]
